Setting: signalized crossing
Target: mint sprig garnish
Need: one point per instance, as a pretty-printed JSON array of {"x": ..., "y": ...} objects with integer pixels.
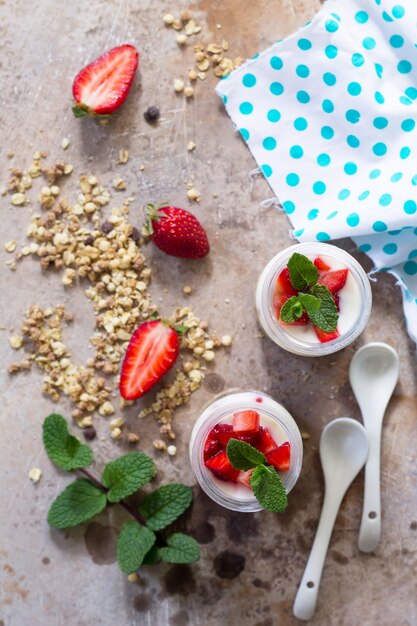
[
  {"x": 266, "y": 484},
  {"x": 316, "y": 300},
  {"x": 139, "y": 542}
]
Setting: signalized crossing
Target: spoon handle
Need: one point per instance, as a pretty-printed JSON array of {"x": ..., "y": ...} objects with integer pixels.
[
  {"x": 306, "y": 598},
  {"x": 370, "y": 530}
]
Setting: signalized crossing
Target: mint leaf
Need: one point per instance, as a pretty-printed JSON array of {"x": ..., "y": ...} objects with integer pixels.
[
  {"x": 133, "y": 543},
  {"x": 309, "y": 302},
  {"x": 291, "y": 310},
  {"x": 165, "y": 505},
  {"x": 78, "y": 503},
  {"x": 303, "y": 273},
  {"x": 152, "y": 556},
  {"x": 242, "y": 455},
  {"x": 66, "y": 451},
  {"x": 326, "y": 316},
  {"x": 180, "y": 549},
  {"x": 268, "y": 489},
  {"x": 127, "y": 474}
]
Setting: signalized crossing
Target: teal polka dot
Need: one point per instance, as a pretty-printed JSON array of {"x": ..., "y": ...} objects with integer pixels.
[
  {"x": 350, "y": 168},
  {"x": 390, "y": 248},
  {"x": 396, "y": 177},
  {"x": 380, "y": 122},
  {"x": 302, "y": 71},
  {"x": 289, "y": 207},
  {"x": 329, "y": 79},
  {"x": 394, "y": 232},
  {"x": 304, "y": 44},
  {"x": 379, "y": 97},
  {"x": 246, "y": 108},
  {"x": 276, "y": 88},
  {"x": 378, "y": 69},
  {"x": 292, "y": 180},
  {"x": 245, "y": 133},
  {"x": 411, "y": 92},
  {"x": 357, "y": 59},
  {"x": 410, "y": 268},
  {"x": 273, "y": 115},
  {"x": 385, "y": 199},
  {"x": 249, "y": 80},
  {"x": 303, "y": 97},
  {"x": 408, "y": 125},
  {"x": 276, "y": 63},
  {"x": 410, "y": 207},
  {"x": 312, "y": 214},
  {"x": 267, "y": 170},
  {"x": 387, "y": 17},
  {"x": 327, "y": 106},
  {"x": 365, "y": 247},
  {"x": 321, "y": 236},
  {"x": 352, "y": 219},
  {"x": 404, "y": 67},
  {"x": 331, "y": 52},
  {"x": 353, "y": 141},
  {"x": 298, "y": 233},
  {"x": 224, "y": 98},
  {"x": 379, "y": 227},
  {"x": 352, "y": 116},
  {"x": 405, "y": 100},
  {"x": 375, "y": 173},
  {"x": 363, "y": 195},
  {"x": 405, "y": 152},
  {"x": 327, "y": 132},
  {"x": 396, "y": 41},
  {"x": 361, "y": 17},
  {"x": 398, "y": 11},
  {"x": 379, "y": 149},
  {"x": 300, "y": 123},
  {"x": 354, "y": 89},
  {"x": 343, "y": 194},
  {"x": 323, "y": 160},
  {"x": 332, "y": 215},
  {"x": 319, "y": 187},
  {"x": 412, "y": 254},
  {"x": 296, "y": 152},
  {"x": 269, "y": 143},
  {"x": 331, "y": 26},
  {"x": 369, "y": 43}
]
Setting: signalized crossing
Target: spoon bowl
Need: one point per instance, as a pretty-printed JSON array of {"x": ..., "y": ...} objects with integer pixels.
[{"x": 343, "y": 451}]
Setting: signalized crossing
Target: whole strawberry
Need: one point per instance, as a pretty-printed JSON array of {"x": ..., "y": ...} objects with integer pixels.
[{"x": 176, "y": 232}]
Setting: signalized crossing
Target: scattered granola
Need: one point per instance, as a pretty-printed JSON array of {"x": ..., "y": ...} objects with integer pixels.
[
  {"x": 35, "y": 474},
  {"x": 65, "y": 143},
  {"x": 10, "y": 246},
  {"x": 123, "y": 156}
]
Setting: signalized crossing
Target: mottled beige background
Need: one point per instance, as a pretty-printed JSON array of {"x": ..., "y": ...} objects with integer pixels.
[{"x": 51, "y": 578}]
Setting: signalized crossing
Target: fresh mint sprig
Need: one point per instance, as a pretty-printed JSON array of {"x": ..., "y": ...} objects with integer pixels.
[
  {"x": 312, "y": 298},
  {"x": 139, "y": 542},
  {"x": 266, "y": 484}
]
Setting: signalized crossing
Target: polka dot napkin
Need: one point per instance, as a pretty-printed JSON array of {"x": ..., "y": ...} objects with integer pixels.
[{"x": 330, "y": 117}]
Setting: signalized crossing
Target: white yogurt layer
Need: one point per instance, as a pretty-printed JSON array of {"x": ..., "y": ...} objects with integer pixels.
[
  {"x": 237, "y": 490},
  {"x": 349, "y": 304}
]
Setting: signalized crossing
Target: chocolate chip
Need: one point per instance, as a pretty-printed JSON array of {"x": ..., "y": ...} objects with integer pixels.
[
  {"x": 89, "y": 433},
  {"x": 135, "y": 235},
  {"x": 106, "y": 227},
  {"x": 152, "y": 114},
  {"x": 89, "y": 241}
]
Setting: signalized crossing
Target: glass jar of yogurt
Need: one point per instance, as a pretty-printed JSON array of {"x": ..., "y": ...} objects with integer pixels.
[
  {"x": 354, "y": 301},
  {"x": 273, "y": 417}
]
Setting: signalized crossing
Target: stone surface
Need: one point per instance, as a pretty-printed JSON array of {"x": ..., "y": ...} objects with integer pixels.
[{"x": 251, "y": 564}]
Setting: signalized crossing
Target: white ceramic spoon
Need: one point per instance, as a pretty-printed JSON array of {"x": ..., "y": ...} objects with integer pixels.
[
  {"x": 343, "y": 451},
  {"x": 373, "y": 375}
]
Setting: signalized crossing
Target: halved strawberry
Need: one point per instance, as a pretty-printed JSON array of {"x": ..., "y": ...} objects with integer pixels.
[
  {"x": 246, "y": 422},
  {"x": 266, "y": 442},
  {"x": 321, "y": 265},
  {"x": 283, "y": 283},
  {"x": 334, "y": 280},
  {"x": 211, "y": 447},
  {"x": 152, "y": 351},
  {"x": 326, "y": 336},
  {"x": 102, "y": 86},
  {"x": 221, "y": 467},
  {"x": 244, "y": 478},
  {"x": 280, "y": 457}
]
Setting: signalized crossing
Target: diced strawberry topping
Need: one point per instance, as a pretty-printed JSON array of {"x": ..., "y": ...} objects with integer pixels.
[
  {"x": 335, "y": 280},
  {"x": 278, "y": 302},
  {"x": 266, "y": 442},
  {"x": 283, "y": 284},
  {"x": 244, "y": 478},
  {"x": 223, "y": 432},
  {"x": 337, "y": 301},
  {"x": 280, "y": 457},
  {"x": 246, "y": 422},
  {"x": 324, "y": 337},
  {"x": 211, "y": 447},
  {"x": 221, "y": 467},
  {"x": 321, "y": 265}
]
